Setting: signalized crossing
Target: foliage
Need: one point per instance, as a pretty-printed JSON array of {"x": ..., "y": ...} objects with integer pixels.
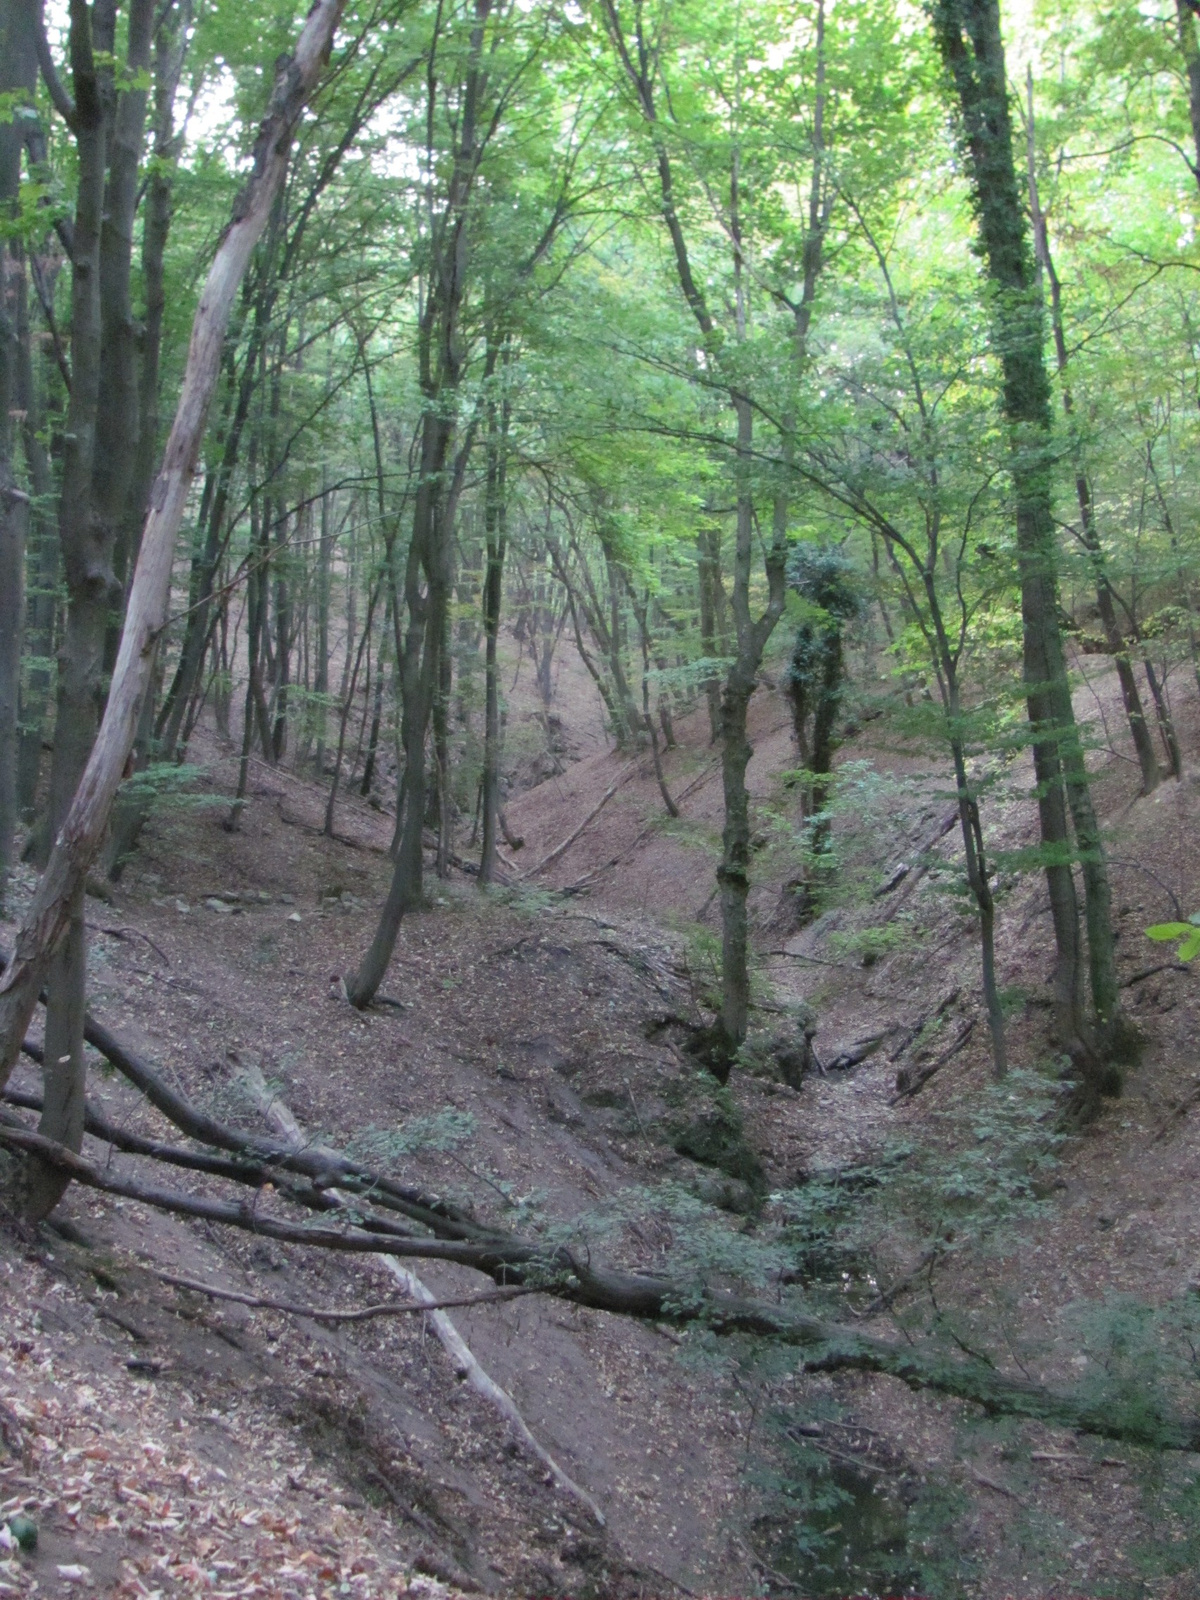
[{"x": 1187, "y": 933}]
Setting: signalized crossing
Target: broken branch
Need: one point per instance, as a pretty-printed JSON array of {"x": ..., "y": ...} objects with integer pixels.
[{"x": 324, "y": 1314}]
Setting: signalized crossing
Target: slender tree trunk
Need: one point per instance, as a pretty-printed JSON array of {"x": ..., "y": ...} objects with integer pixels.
[
  {"x": 429, "y": 570},
  {"x": 641, "y": 617},
  {"x": 368, "y": 776},
  {"x": 17, "y": 78},
  {"x": 495, "y": 521},
  {"x": 1190, "y": 50},
  {"x": 1166, "y": 723},
  {"x": 708, "y": 570},
  {"x": 129, "y": 813},
  {"x": 351, "y": 686},
  {"x": 118, "y": 421},
  {"x": 324, "y": 584},
  {"x": 87, "y": 549},
  {"x": 733, "y": 875},
  {"x": 42, "y": 574},
  {"x": 1142, "y": 743}
]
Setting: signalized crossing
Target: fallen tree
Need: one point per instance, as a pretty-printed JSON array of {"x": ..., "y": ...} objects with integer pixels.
[{"x": 434, "y": 1230}]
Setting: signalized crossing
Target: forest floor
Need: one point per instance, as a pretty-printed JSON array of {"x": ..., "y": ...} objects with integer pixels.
[{"x": 169, "y": 1444}]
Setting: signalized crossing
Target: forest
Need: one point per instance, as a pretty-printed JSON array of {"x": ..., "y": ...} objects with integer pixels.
[{"x": 599, "y": 786}]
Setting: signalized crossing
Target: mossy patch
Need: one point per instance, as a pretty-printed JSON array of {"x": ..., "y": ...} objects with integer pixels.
[{"x": 706, "y": 1126}]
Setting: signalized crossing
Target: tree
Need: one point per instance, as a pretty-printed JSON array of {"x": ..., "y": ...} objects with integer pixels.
[
  {"x": 968, "y": 35},
  {"x": 56, "y": 910}
]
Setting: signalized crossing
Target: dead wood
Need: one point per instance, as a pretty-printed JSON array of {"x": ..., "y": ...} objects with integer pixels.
[
  {"x": 561, "y": 849},
  {"x": 922, "y": 864},
  {"x": 323, "y": 1169},
  {"x": 853, "y": 1055},
  {"x": 827, "y": 1346},
  {"x": 254, "y": 1174},
  {"x": 996, "y": 1486},
  {"x": 1150, "y": 972},
  {"x": 360, "y": 1314},
  {"x": 131, "y": 933},
  {"x": 911, "y": 1032},
  {"x": 911, "y": 1080},
  {"x": 466, "y": 1366}
]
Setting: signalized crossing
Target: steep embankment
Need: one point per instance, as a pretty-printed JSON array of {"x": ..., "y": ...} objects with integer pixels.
[{"x": 528, "y": 1017}]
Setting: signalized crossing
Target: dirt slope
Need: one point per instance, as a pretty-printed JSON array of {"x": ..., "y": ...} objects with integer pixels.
[{"x": 530, "y": 1018}]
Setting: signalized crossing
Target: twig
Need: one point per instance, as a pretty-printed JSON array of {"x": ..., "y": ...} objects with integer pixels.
[
  {"x": 996, "y": 1486},
  {"x": 1149, "y": 972},
  {"x": 817, "y": 961},
  {"x": 131, "y": 933},
  {"x": 324, "y": 1314}
]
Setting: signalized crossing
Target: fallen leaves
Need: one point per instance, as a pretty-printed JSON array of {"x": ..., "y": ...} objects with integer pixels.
[{"x": 121, "y": 1477}]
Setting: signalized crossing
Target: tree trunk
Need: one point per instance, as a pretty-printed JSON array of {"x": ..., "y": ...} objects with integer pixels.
[
  {"x": 41, "y": 574},
  {"x": 87, "y": 546},
  {"x": 56, "y": 907},
  {"x": 17, "y": 78},
  {"x": 495, "y": 522},
  {"x": 1142, "y": 742},
  {"x": 968, "y": 34},
  {"x": 118, "y": 420},
  {"x": 708, "y": 575},
  {"x": 324, "y": 584},
  {"x": 429, "y": 568},
  {"x": 1190, "y": 50}
]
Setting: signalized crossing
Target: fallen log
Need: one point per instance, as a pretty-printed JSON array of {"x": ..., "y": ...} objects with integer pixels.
[
  {"x": 560, "y": 850},
  {"x": 827, "y": 1346},
  {"x": 923, "y": 860},
  {"x": 914, "y": 1028},
  {"x": 389, "y": 1308},
  {"x": 466, "y": 1366},
  {"x": 911, "y": 1080}
]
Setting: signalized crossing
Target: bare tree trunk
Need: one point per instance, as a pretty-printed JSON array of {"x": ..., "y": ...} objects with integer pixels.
[
  {"x": 640, "y": 611},
  {"x": 1142, "y": 743},
  {"x": 1166, "y": 723},
  {"x": 56, "y": 905},
  {"x": 129, "y": 813},
  {"x": 1190, "y": 50},
  {"x": 324, "y": 583},
  {"x": 17, "y": 78},
  {"x": 496, "y": 536},
  {"x": 429, "y": 567},
  {"x": 708, "y": 574},
  {"x": 41, "y": 573},
  {"x": 351, "y": 682},
  {"x": 87, "y": 547},
  {"x": 368, "y": 776}
]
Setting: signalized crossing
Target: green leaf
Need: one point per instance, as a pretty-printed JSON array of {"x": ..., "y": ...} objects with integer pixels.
[{"x": 1162, "y": 931}]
